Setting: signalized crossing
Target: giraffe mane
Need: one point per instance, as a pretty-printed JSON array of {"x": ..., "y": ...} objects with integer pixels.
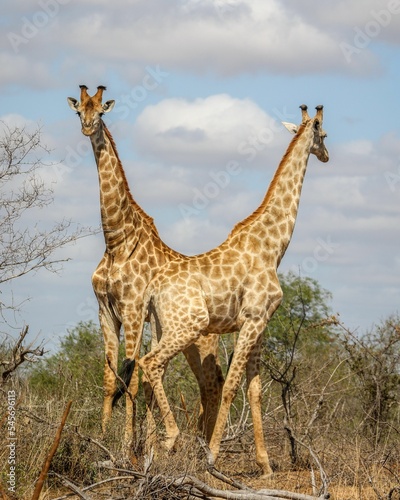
[
  {"x": 149, "y": 220},
  {"x": 263, "y": 206}
]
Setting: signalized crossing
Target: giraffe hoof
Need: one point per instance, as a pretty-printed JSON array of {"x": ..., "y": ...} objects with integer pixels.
[
  {"x": 170, "y": 443},
  {"x": 267, "y": 475},
  {"x": 210, "y": 460}
]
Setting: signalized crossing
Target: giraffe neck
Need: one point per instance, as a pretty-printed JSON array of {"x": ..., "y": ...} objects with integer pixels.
[
  {"x": 120, "y": 216},
  {"x": 275, "y": 218}
]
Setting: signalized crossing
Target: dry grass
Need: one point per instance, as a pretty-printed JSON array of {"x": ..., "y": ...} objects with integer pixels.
[
  {"x": 356, "y": 469},
  {"x": 354, "y": 472}
]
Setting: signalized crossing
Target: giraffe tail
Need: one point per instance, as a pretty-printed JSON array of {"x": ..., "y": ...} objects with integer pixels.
[{"x": 128, "y": 366}]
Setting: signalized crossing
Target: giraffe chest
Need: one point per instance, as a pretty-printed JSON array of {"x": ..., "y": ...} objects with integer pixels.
[
  {"x": 223, "y": 314},
  {"x": 121, "y": 280}
]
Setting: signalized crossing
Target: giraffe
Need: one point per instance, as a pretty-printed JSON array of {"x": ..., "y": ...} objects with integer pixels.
[
  {"x": 233, "y": 287},
  {"x": 134, "y": 252}
]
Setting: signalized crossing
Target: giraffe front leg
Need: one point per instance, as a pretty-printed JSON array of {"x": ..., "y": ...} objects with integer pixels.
[
  {"x": 177, "y": 336},
  {"x": 254, "y": 397},
  {"x": 130, "y": 406},
  {"x": 229, "y": 391},
  {"x": 249, "y": 336},
  {"x": 254, "y": 391},
  {"x": 151, "y": 428},
  {"x": 109, "y": 389},
  {"x": 133, "y": 339},
  {"x": 153, "y": 371},
  {"x": 111, "y": 342}
]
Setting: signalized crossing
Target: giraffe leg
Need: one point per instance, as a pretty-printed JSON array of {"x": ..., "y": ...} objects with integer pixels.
[
  {"x": 254, "y": 397},
  {"x": 202, "y": 357},
  {"x": 110, "y": 331},
  {"x": 214, "y": 381},
  {"x": 193, "y": 357},
  {"x": 153, "y": 365},
  {"x": 133, "y": 337},
  {"x": 254, "y": 391},
  {"x": 151, "y": 426},
  {"x": 247, "y": 338}
]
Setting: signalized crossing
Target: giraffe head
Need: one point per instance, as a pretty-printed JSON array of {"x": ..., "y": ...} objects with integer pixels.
[
  {"x": 90, "y": 109},
  {"x": 314, "y": 125}
]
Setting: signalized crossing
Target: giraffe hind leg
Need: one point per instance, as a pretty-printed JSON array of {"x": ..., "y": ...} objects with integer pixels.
[{"x": 126, "y": 372}]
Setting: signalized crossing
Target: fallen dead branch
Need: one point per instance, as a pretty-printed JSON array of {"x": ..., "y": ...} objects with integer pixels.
[
  {"x": 76, "y": 491},
  {"x": 185, "y": 486},
  {"x": 144, "y": 484},
  {"x": 93, "y": 486}
]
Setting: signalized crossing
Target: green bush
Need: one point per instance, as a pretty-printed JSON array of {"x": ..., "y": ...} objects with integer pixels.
[{"x": 76, "y": 369}]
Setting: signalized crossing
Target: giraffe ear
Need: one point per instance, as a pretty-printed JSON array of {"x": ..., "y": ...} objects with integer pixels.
[
  {"x": 291, "y": 127},
  {"x": 108, "y": 106},
  {"x": 73, "y": 103}
]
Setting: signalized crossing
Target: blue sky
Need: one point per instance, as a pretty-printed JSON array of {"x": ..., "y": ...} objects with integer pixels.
[{"x": 197, "y": 83}]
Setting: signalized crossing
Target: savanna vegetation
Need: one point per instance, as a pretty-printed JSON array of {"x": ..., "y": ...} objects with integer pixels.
[{"x": 331, "y": 412}]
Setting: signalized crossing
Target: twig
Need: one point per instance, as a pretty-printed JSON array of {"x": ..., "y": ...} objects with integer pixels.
[
  {"x": 66, "y": 482},
  {"x": 97, "y": 443},
  {"x": 214, "y": 472},
  {"x": 232, "y": 482},
  {"x": 95, "y": 485},
  {"x": 393, "y": 490},
  {"x": 133, "y": 473},
  {"x": 46, "y": 466}
]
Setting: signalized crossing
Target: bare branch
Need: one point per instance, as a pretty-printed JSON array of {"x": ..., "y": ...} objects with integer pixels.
[
  {"x": 26, "y": 247},
  {"x": 18, "y": 355},
  {"x": 66, "y": 482}
]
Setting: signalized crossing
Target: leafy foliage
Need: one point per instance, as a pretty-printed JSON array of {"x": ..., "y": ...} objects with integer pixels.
[
  {"x": 301, "y": 325},
  {"x": 77, "y": 368},
  {"x": 374, "y": 359}
]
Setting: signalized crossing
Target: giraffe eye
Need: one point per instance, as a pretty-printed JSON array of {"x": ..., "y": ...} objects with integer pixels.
[{"x": 78, "y": 113}]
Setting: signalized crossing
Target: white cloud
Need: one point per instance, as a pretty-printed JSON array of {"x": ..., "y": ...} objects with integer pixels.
[
  {"x": 194, "y": 236},
  {"x": 206, "y": 131},
  {"x": 248, "y": 36},
  {"x": 376, "y": 20},
  {"x": 226, "y": 38}
]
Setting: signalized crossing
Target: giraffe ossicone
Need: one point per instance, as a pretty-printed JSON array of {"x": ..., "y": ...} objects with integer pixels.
[{"x": 234, "y": 287}]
